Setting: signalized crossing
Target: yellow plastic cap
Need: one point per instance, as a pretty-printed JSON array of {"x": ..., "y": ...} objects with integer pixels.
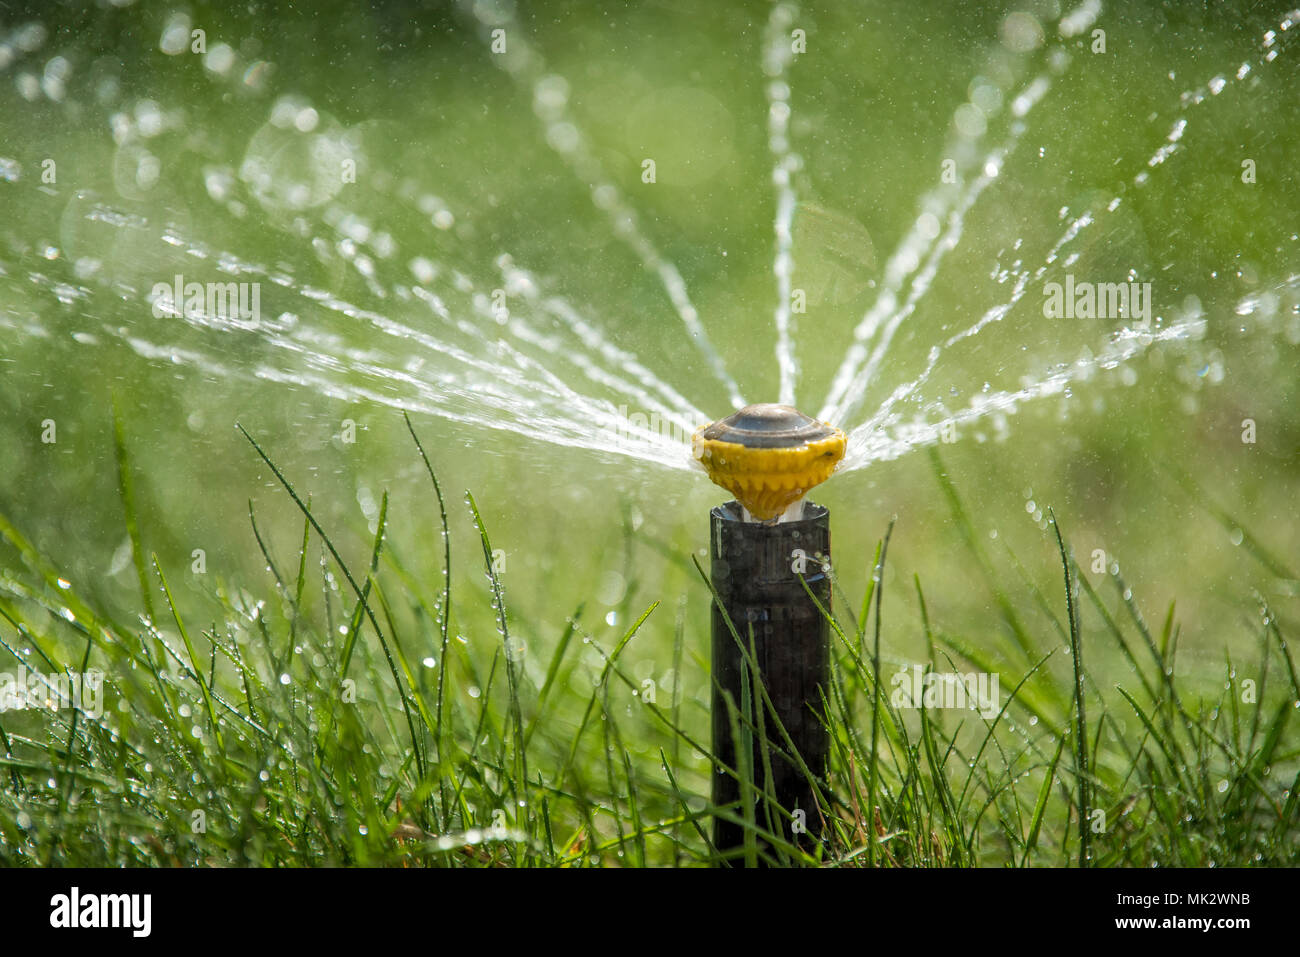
[{"x": 768, "y": 456}]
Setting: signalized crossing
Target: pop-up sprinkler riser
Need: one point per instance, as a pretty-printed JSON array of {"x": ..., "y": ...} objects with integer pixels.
[{"x": 770, "y": 554}]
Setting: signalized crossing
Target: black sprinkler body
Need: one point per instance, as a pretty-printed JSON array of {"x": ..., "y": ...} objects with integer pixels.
[
  {"x": 759, "y": 572},
  {"x": 770, "y": 559}
]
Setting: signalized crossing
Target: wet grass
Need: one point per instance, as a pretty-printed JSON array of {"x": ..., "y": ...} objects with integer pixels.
[{"x": 349, "y": 715}]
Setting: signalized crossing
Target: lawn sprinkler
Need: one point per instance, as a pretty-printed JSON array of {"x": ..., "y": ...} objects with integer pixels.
[{"x": 771, "y": 554}]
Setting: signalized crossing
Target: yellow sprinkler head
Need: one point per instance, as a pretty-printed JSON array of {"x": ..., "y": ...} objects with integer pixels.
[{"x": 768, "y": 456}]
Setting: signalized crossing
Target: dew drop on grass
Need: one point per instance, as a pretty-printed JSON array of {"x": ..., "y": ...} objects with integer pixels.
[
  {"x": 363, "y": 830},
  {"x": 474, "y": 691},
  {"x": 284, "y": 679}
]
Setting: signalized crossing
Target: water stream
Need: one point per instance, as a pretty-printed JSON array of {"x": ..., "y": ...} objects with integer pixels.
[{"x": 408, "y": 316}]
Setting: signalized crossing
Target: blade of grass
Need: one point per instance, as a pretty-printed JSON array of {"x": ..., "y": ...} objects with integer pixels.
[
  {"x": 126, "y": 487},
  {"x": 1080, "y": 722}
]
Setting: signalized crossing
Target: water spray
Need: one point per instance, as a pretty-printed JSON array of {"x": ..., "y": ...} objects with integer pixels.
[{"x": 770, "y": 553}]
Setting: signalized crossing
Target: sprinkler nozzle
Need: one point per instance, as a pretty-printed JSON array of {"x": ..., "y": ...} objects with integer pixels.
[{"x": 768, "y": 456}]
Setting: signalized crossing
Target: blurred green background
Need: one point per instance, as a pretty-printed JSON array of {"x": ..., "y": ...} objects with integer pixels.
[{"x": 159, "y": 138}]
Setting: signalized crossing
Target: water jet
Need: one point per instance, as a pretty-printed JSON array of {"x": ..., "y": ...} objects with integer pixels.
[{"x": 770, "y": 562}]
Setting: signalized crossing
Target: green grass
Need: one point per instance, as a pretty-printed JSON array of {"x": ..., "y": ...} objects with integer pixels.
[{"x": 304, "y": 725}]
